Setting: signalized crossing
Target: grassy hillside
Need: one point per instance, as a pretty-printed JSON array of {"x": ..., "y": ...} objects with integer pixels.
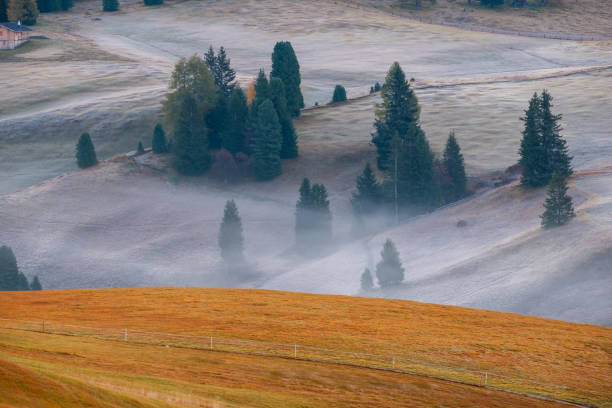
[{"x": 529, "y": 349}]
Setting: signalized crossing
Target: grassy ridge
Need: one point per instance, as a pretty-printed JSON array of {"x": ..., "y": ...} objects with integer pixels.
[{"x": 541, "y": 350}]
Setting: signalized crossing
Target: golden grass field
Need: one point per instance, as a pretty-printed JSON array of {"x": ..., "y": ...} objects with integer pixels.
[{"x": 527, "y": 349}]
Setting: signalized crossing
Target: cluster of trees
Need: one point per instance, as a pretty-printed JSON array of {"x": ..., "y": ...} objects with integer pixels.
[
  {"x": 10, "y": 276},
  {"x": 411, "y": 175},
  {"x": 313, "y": 218},
  {"x": 25, "y": 11},
  {"x": 389, "y": 270},
  {"x": 208, "y": 110},
  {"x": 375, "y": 88}
]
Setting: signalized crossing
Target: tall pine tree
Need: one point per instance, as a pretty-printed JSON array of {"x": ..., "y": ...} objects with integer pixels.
[
  {"x": 85, "y": 152},
  {"x": 313, "y": 218},
  {"x": 455, "y": 167},
  {"x": 231, "y": 241},
  {"x": 286, "y": 67},
  {"x": 416, "y": 181},
  {"x": 10, "y": 277},
  {"x": 367, "y": 283},
  {"x": 532, "y": 161},
  {"x": 234, "y": 136},
  {"x": 3, "y": 7},
  {"x": 389, "y": 270},
  {"x": 190, "y": 145},
  {"x": 110, "y": 5},
  {"x": 398, "y": 113},
  {"x": 35, "y": 284},
  {"x": 159, "y": 144},
  {"x": 289, "y": 148},
  {"x": 267, "y": 142},
  {"x": 369, "y": 192},
  {"x": 558, "y": 207},
  {"x": 554, "y": 146}
]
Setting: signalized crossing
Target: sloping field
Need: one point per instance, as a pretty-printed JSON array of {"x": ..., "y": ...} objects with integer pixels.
[{"x": 532, "y": 349}]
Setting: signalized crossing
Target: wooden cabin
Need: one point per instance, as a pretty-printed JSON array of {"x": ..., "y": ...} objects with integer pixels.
[{"x": 12, "y": 35}]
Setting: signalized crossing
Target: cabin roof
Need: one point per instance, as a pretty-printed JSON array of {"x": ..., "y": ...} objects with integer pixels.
[{"x": 18, "y": 28}]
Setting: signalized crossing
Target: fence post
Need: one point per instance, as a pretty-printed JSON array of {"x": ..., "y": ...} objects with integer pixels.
[
  {"x": 295, "y": 351},
  {"x": 43, "y": 326},
  {"x": 393, "y": 363},
  {"x": 211, "y": 343},
  {"x": 125, "y": 335},
  {"x": 486, "y": 378}
]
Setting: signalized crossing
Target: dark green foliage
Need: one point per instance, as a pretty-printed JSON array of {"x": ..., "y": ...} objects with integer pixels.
[
  {"x": 397, "y": 114},
  {"x": 159, "y": 144},
  {"x": 289, "y": 148},
  {"x": 416, "y": 181},
  {"x": 140, "y": 148},
  {"x": 222, "y": 72},
  {"x": 369, "y": 192},
  {"x": 67, "y": 4},
  {"x": 262, "y": 88},
  {"x": 558, "y": 205},
  {"x": 367, "y": 283},
  {"x": 389, "y": 270},
  {"x": 286, "y": 67},
  {"x": 217, "y": 122},
  {"x": 267, "y": 142},
  {"x": 35, "y": 284},
  {"x": 25, "y": 11},
  {"x": 110, "y": 5},
  {"x": 231, "y": 241},
  {"x": 85, "y": 152},
  {"x": 375, "y": 88},
  {"x": 3, "y": 7},
  {"x": 190, "y": 146},
  {"x": 153, "y": 2},
  {"x": 543, "y": 150},
  {"x": 313, "y": 218},
  {"x": 46, "y": 6},
  {"x": 238, "y": 114},
  {"x": 339, "y": 94},
  {"x": 455, "y": 168},
  {"x": 10, "y": 277},
  {"x": 492, "y": 3}
]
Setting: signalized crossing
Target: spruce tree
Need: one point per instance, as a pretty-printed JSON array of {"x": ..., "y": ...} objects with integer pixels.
[
  {"x": 217, "y": 122},
  {"x": 3, "y": 7},
  {"x": 153, "y": 2},
  {"x": 35, "y": 285},
  {"x": 417, "y": 184},
  {"x": 339, "y": 94},
  {"x": 389, "y": 270},
  {"x": 313, "y": 218},
  {"x": 289, "y": 148},
  {"x": 110, "y": 5},
  {"x": 219, "y": 66},
  {"x": 532, "y": 160},
  {"x": 286, "y": 67},
  {"x": 190, "y": 145},
  {"x": 558, "y": 205},
  {"x": 140, "y": 148},
  {"x": 553, "y": 145},
  {"x": 398, "y": 113},
  {"x": 262, "y": 88},
  {"x": 267, "y": 142},
  {"x": 159, "y": 144},
  {"x": 25, "y": 11},
  {"x": 453, "y": 163},
  {"x": 369, "y": 192},
  {"x": 238, "y": 115},
  {"x": 10, "y": 276},
  {"x": 68, "y": 4},
  {"x": 367, "y": 283},
  {"x": 231, "y": 241},
  {"x": 85, "y": 152}
]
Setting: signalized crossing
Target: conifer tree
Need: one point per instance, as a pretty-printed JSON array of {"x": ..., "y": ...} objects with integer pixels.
[
  {"x": 367, "y": 283},
  {"x": 25, "y": 11},
  {"x": 10, "y": 276},
  {"x": 3, "y": 7},
  {"x": 286, "y": 67},
  {"x": 369, "y": 192},
  {"x": 558, "y": 205},
  {"x": 219, "y": 66},
  {"x": 417, "y": 184},
  {"x": 159, "y": 144},
  {"x": 339, "y": 94},
  {"x": 238, "y": 115},
  {"x": 110, "y": 5},
  {"x": 267, "y": 142},
  {"x": 289, "y": 148},
  {"x": 68, "y": 4},
  {"x": 389, "y": 270},
  {"x": 140, "y": 148},
  {"x": 190, "y": 145},
  {"x": 553, "y": 145},
  {"x": 153, "y": 2},
  {"x": 398, "y": 113},
  {"x": 85, "y": 152},
  {"x": 312, "y": 217},
  {"x": 532, "y": 158},
  {"x": 217, "y": 120},
  {"x": 262, "y": 88},
  {"x": 453, "y": 162},
  {"x": 35, "y": 285},
  {"x": 231, "y": 241}
]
